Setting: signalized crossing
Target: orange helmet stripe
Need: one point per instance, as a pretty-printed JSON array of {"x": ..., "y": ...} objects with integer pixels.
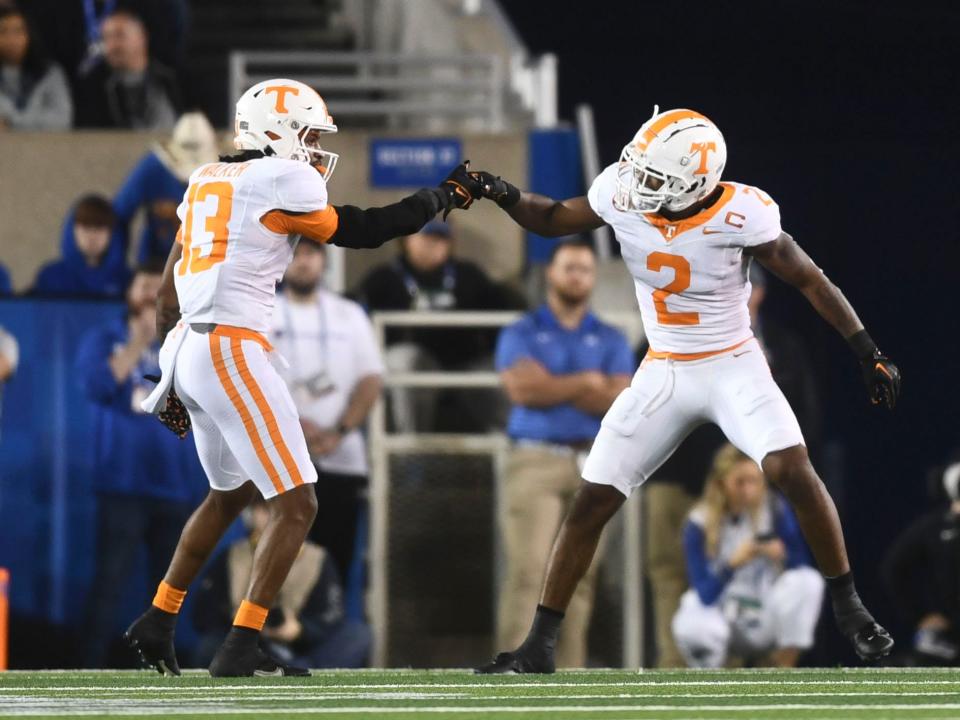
[{"x": 671, "y": 117}]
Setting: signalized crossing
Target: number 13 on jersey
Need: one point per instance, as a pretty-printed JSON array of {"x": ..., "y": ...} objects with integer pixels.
[{"x": 214, "y": 222}]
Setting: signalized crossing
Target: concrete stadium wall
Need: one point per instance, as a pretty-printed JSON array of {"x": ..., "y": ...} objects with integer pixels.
[{"x": 41, "y": 174}]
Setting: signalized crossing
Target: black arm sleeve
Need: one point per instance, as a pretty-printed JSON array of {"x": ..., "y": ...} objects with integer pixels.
[{"x": 372, "y": 227}]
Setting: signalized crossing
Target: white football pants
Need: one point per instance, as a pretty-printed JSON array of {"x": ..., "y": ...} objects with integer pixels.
[
  {"x": 668, "y": 398},
  {"x": 244, "y": 420}
]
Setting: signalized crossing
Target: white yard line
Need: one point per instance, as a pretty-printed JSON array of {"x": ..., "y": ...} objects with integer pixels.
[
  {"x": 165, "y": 709},
  {"x": 443, "y": 686},
  {"x": 203, "y": 696}
]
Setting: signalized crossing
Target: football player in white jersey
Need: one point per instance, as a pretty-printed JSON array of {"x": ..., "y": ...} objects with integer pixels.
[
  {"x": 688, "y": 240},
  {"x": 241, "y": 219}
]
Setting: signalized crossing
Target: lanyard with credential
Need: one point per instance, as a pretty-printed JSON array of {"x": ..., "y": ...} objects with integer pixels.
[
  {"x": 288, "y": 329},
  {"x": 413, "y": 287}
]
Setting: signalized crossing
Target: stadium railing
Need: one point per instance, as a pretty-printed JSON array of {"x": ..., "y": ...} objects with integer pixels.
[
  {"x": 383, "y": 445},
  {"x": 406, "y": 89}
]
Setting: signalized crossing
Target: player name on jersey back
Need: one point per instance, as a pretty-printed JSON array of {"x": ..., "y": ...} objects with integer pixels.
[
  {"x": 231, "y": 262},
  {"x": 223, "y": 170},
  {"x": 691, "y": 275}
]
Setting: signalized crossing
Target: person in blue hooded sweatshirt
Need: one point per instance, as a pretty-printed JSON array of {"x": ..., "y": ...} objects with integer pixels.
[
  {"x": 92, "y": 263},
  {"x": 157, "y": 184},
  {"x": 148, "y": 480}
]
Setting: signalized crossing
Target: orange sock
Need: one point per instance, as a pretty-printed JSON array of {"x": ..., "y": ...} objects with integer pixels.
[
  {"x": 250, "y": 615},
  {"x": 168, "y": 598}
]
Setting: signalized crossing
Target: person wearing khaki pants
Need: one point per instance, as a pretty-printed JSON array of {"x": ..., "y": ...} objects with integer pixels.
[{"x": 561, "y": 369}]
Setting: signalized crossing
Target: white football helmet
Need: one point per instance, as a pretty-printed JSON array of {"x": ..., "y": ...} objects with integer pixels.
[
  {"x": 285, "y": 118},
  {"x": 675, "y": 159}
]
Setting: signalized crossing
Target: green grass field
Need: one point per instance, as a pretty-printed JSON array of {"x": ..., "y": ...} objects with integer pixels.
[{"x": 593, "y": 695}]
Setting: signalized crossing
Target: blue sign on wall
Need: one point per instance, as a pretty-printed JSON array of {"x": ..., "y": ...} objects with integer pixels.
[{"x": 414, "y": 163}]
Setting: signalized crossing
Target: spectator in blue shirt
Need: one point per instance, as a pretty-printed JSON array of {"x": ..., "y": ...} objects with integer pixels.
[
  {"x": 148, "y": 480},
  {"x": 92, "y": 263},
  {"x": 561, "y": 368},
  {"x": 157, "y": 184},
  {"x": 753, "y": 592}
]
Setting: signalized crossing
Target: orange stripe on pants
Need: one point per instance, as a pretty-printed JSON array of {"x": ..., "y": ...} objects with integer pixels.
[
  {"x": 292, "y": 470},
  {"x": 221, "y": 367}
]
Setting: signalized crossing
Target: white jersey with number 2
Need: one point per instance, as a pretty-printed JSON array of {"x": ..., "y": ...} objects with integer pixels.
[
  {"x": 704, "y": 365},
  {"x": 691, "y": 275}
]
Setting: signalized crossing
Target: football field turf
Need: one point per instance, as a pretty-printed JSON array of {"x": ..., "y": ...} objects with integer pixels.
[{"x": 593, "y": 695}]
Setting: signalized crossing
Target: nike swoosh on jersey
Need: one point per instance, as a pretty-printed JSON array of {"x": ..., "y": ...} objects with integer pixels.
[{"x": 708, "y": 231}]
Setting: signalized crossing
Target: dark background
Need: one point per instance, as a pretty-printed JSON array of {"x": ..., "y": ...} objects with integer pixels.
[{"x": 846, "y": 113}]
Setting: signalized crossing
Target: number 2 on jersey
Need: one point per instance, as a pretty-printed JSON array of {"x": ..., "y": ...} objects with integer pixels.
[
  {"x": 656, "y": 261},
  {"x": 215, "y": 224}
]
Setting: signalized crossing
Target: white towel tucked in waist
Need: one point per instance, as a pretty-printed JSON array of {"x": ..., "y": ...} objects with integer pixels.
[{"x": 156, "y": 401}]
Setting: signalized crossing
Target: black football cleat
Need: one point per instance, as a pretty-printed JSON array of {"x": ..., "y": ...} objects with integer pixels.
[
  {"x": 871, "y": 642},
  {"x": 524, "y": 660},
  {"x": 241, "y": 656},
  {"x": 151, "y": 637}
]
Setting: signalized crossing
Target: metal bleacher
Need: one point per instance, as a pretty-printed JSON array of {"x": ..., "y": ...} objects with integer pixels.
[{"x": 477, "y": 75}]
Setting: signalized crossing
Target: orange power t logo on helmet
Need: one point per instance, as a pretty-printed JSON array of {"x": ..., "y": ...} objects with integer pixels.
[
  {"x": 704, "y": 149},
  {"x": 281, "y": 91}
]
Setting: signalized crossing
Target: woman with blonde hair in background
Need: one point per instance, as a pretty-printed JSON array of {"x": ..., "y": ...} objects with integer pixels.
[{"x": 753, "y": 593}]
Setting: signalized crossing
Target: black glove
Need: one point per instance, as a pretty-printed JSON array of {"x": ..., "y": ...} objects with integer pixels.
[
  {"x": 175, "y": 416},
  {"x": 882, "y": 378},
  {"x": 460, "y": 189},
  {"x": 497, "y": 189},
  {"x": 880, "y": 375}
]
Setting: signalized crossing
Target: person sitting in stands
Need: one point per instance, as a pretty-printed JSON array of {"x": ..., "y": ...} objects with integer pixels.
[
  {"x": 306, "y": 626},
  {"x": 34, "y": 94},
  {"x": 92, "y": 265},
  {"x": 427, "y": 275},
  {"x": 127, "y": 89}
]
